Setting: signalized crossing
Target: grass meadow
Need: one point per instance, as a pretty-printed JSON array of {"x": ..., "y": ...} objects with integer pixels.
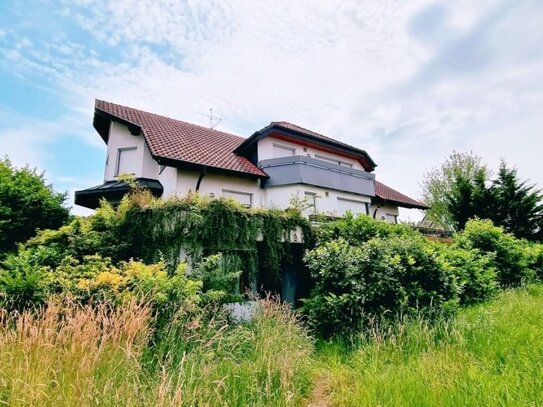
[{"x": 68, "y": 355}]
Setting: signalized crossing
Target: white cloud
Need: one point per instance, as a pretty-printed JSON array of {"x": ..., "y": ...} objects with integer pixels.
[{"x": 409, "y": 82}]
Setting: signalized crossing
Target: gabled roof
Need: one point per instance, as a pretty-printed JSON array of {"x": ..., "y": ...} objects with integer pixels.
[
  {"x": 387, "y": 194},
  {"x": 302, "y": 135},
  {"x": 177, "y": 143}
]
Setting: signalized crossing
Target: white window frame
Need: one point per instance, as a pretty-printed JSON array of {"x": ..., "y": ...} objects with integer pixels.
[
  {"x": 234, "y": 192},
  {"x": 117, "y": 164},
  {"x": 366, "y": 204},
  {"x": 308, "y": 195},
  {"x": 334, "y": 160},
  {"x": 283, "y": 147}
]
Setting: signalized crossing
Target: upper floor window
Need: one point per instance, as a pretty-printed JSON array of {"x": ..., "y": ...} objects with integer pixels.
[
  {"x": 244, "y": 198},
  {"x": 282, "y": 151},
  {"x": 126, "y": 161},
  {"x": 334, "y": 160}
]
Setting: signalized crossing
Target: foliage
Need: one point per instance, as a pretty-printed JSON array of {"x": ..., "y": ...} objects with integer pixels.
[
  {"x": 23, "y": 283},
  {"x": 68, "y": 354},
  {"x": 461, "y": 190},
  {"x": 440, "y": 185},
  {"x": 381, "y": 278},
  {"x": 518, "y": 207},
  {"x": 475, "y": 271},
  {"x": 358, "y": 229},
  {"x": 216, "y": 279},
  {"x": 150, "y": 230},
  {"x": 27, "y": 204},
  {"x": 469, "y": 198},
  {"x": 489, "y": 354},
  {"x": 510, "y": 260}
]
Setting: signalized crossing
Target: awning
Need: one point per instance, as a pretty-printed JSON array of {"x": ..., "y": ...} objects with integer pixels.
[{"x": 113, "y": 191}]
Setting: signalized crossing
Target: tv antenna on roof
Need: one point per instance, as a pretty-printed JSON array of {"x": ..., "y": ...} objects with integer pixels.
[{"x": 213, "y": 120}]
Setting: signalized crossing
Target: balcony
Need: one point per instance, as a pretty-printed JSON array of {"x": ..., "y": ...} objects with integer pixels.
[{"x": 300, "y": 169}]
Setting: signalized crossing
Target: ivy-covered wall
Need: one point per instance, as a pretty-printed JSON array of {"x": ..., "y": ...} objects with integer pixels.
[{"x": 256, "y": 242}]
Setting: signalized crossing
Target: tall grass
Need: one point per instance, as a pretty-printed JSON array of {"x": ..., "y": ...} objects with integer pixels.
[
  {"x": 491, "y": 355},
  {"x": 69, "y": 355}
]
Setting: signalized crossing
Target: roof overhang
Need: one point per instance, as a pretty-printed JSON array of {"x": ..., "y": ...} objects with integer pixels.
[
  {"x": 169, "y": 162},
  {"x": 113, "y": 191},
  {"x": 308, "y": 140},
  {"x": 383, "y": 201}
]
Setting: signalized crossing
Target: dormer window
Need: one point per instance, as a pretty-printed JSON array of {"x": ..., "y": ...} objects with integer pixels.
[
  {"x": 126, "y": 161},
  {"x": 334, "y": 160},
  {"x": 283, "y": 151}
]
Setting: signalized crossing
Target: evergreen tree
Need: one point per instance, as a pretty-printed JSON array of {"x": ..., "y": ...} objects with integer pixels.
[
  {"x": 518, "y": 205},
  {"x": 469, "y": 198}
]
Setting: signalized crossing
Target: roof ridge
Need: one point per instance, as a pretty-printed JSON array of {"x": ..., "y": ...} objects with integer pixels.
[
  {"x": 167, "y": 118},
  {"x": 301, "y": 127}
]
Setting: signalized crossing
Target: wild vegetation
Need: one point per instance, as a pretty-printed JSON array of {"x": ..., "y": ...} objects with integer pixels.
[
  {"x": 463, "y": 188},
  {"x": 125, "y": 307},
  {"x": 489, "y": 355},
  {"x": 27, "y": 203}
]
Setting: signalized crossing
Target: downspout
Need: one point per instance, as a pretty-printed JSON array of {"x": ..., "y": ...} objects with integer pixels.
[
  {"x": 379, "y": 206},
  {"x": 200, "y": 179}
]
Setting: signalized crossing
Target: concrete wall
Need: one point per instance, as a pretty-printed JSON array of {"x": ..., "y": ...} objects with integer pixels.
[
  {"x": 120, "y": 137},
  {"x": 266, "y": 151}
]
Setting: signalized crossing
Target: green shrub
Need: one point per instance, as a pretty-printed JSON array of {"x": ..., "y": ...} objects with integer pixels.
[
  {"x": 382, "y": 278},
  {"x": 475, "y": 271},
  {"x": 510, "y": 259},
  {"x": 534, "y": 255},
  {"x": 359, "y": 229},
  {"x": 22, "y": 282}
]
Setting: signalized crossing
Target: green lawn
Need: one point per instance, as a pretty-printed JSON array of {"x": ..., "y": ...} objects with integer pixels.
[{"x": 490, "y": 355}]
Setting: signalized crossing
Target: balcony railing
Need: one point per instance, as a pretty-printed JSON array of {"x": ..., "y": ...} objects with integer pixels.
[{"x": 300, "y": 169}]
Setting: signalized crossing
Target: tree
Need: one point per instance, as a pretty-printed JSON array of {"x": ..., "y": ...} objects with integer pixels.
[
  {"x": 469, "y": 198},
  {"x": 518, "y": 206},
  {"x": 27, "y": 203},
  {"x": 445, "y": 186}
]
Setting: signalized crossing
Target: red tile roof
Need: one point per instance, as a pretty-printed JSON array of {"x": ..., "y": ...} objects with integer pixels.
[
  {"x": 177, "y": 140},
  {"x": 391, "y": 195}
]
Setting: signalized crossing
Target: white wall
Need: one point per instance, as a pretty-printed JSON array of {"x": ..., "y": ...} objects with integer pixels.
[
  {"x": 120, "y": 137},
  {"x": 215, "y": 183},
  {"x": 383, "y": 211},
  {"x": 280, "y": 197},
  {"x": 265, "y": 151}
]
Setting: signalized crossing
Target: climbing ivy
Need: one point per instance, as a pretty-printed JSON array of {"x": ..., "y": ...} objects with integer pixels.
[{"x": 149, "y": 229}]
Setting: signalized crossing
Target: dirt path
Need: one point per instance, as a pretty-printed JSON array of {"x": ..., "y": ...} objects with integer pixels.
[{"x": 320, "y": 396}]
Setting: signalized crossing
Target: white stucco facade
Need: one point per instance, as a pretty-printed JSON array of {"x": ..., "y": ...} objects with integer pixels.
[
  {"x": 388, "y": 213},
  {"x": 180, "y": 182},
  {"x": 121, "y": 139},
  {"x": 271, "y": 147}
]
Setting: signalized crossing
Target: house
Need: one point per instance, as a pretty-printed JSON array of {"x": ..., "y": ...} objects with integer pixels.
[{"x": 277, "y": 164}]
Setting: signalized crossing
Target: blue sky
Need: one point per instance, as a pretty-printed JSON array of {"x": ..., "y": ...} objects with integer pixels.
[{"x": 407, "y": 81}]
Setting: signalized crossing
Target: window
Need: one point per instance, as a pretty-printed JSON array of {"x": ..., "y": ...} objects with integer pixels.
[
  {"x": 390, "y": 218},
  {"x": 310, "y": 203},
  {"x": 334, "y": 160},
  {"x": 126, "y": 161},
  {"x": 282, "y": 151},
  {"x": 244, "y": 198},
  {"x": 356, "y": 207}
]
